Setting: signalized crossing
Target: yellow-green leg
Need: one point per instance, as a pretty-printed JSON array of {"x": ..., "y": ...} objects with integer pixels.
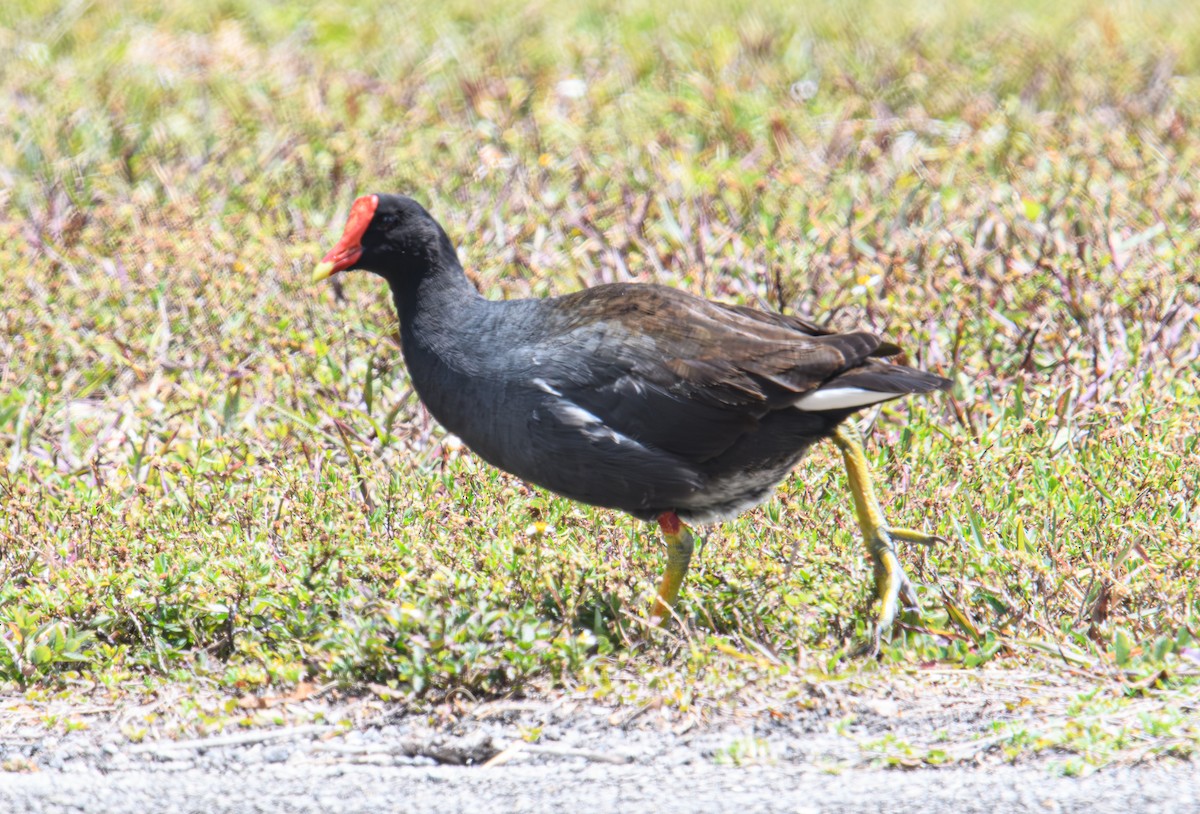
[
  {"x": 679, "y": 556},
  {"x": 891, "y": 584}
]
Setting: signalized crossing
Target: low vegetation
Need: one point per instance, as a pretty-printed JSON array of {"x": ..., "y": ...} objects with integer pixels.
[{"x": 214, "y": 475}]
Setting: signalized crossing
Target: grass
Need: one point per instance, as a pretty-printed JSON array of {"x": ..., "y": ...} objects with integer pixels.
[{"x": 213, "y": 475}]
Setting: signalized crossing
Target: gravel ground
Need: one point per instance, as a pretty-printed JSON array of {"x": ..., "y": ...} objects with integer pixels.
[
  {"x": 282, "y": 779},
  {"x": 818, "y": 754}
]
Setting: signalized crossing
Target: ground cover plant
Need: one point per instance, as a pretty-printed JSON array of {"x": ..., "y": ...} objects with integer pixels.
[{"x": 214, "y": 475}]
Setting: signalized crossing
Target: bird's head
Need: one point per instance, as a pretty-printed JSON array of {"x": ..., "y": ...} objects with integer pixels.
[{"x": 390, "y": 235}]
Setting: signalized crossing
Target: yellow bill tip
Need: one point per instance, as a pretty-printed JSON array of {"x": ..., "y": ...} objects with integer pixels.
[{"x": 322, "y": 271}]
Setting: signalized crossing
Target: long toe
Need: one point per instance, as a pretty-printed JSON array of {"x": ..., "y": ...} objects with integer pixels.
[{"x": 913, "y": 536}]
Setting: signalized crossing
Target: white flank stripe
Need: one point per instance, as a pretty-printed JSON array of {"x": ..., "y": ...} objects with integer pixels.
[
  {"x": 841, "y": 398},
  {"x": 544, "y": 386},
  {"x": 575, "y": 416}
]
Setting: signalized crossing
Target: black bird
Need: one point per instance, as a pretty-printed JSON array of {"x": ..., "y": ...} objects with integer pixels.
[{"x": 635, "y": 397}]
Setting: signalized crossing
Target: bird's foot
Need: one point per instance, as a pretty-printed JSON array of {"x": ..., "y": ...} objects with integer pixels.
[{"x": 892, "y": 585}]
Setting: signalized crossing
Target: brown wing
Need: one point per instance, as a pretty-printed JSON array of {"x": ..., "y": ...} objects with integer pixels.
[
  {"x": 719, "y": 354},
  {"x": 683, "y": 374}
]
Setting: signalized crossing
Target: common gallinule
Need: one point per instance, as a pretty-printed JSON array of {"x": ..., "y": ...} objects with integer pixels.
[{"x": 635, "y": 397}]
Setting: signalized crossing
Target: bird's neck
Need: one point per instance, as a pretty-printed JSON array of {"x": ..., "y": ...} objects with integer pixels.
[
  {"x": 444, "y": 325},
  {"x": 441, "y": 291},
  {"x": 441, "y": 316},
  {"x": 431, "y": 290}
]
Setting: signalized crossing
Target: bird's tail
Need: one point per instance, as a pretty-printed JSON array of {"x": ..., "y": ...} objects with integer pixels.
[{"x": 869, "y": 384}]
